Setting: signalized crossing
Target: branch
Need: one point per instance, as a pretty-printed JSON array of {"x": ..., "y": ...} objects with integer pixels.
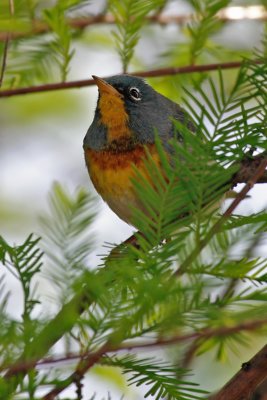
[
  {"x": 248, "y": 168},
  {"x": 145, "y": 74},
  {"x": 7, "y": 38},
  {"x": 260, "y": 171},
  {"x": 217, "y": 226},
  {"x": 244, "y": 383},
  {"x": 197, "y": 342},
  {"x": 40, "y": 27},
  {"x": 88, "y": 360},
  {"x": 84, "y": 365},
  {"x": 146, "y": 345},
  {"x": 204, "y": 334}
]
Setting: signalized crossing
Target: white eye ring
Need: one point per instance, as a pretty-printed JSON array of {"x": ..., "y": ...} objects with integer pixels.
[{"x": 135, "y": 94}]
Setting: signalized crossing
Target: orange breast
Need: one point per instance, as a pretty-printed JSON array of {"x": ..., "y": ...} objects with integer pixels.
[{"x": 112, "y": 174}]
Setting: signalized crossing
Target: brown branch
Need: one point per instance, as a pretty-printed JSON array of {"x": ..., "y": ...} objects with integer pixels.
[
  {"x": 200, "y": 335},
  {"x": 62, "y": 323},
  {"x": 204, "y": 334},
  {"x": 89, "y": 360},
  {"x": 84, "y": 365},
  {"x": 248, "y": 168},
  {"x": 190, "y": 353},
  {"x": 217, "y": 226},
  {"x": 261, "y": 391},
  {"x": 145, "y": 74},
  {"x": 40, "y": 27},
  {"x": 249, "y": 185},
  {"x": 244, "y": 383}
]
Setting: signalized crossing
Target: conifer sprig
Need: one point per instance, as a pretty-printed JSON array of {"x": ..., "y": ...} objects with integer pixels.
[
  {"x": 24, "y": 262},
  {"x": 68, "y": 240},
  {"x": 204, "y": 26},
  {"x": 165, "y": 380},
  {"x": 130, "y": 17}
]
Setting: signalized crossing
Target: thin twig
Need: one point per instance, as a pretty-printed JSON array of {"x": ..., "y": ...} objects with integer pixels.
[
  {"x": 190, "y": 353},
  {"x": 3, "y": 67},
  {"x": 145, "y": 74},
  {"x": 52, "y": 332},
  {"x": 40, "y": 27},
  {"x": 217, "y": 226},
  {"x": 91, "y": 359},
  {"x": 84, "y": 365},
  {"x": 146, "y": 345},
  {"x": 248, "y": 168},
  {"x": 203, "y": 334},
  {"x": 7, "y": 39}
]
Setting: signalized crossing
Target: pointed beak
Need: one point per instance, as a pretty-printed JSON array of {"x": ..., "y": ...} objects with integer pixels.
[{"x": 104, "y": 87}]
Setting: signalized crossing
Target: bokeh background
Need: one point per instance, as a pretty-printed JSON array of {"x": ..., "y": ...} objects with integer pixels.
[{"x": 41, "y": 136}]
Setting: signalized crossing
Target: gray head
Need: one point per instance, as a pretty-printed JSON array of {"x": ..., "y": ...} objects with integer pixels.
[{"x": 129, "y": 103}]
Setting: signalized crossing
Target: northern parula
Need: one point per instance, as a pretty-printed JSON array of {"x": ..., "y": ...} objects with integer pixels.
[{"x": 129, "y": 112}]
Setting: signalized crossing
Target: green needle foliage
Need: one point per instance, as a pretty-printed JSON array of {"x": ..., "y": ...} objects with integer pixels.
[
  {"x": 138, "y": 295},
  {"x": 63, "y": 228},
  {"x": 32, "y": 59},
  {"x": 194, "y": 283},
  {"x": 61, "y": 45},
  {"x": 204, "y": 25},
  {"x": 24, "y": 262},
  {"x": 42, "y": 49},
  {"x": 161, "y": 376},
  {"x": 130, "y": 17}
]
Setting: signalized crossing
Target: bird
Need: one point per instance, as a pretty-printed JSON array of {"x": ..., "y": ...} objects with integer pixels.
[{"x": 129, "y": 115}]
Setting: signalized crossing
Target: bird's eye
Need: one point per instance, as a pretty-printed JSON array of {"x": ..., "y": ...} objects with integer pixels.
[{"x": 135, "y": 94}]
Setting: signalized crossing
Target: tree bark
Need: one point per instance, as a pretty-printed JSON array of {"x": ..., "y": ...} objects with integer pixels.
[{"x": 244, "y": 383}]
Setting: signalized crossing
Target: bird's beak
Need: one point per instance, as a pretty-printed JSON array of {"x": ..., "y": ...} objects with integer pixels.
[{"x": 105, "y": 88}]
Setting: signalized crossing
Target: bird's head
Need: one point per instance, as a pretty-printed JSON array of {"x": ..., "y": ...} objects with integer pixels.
[
  {"x": 130, "y": 111},
  {"x": 127, "y": 109}
]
